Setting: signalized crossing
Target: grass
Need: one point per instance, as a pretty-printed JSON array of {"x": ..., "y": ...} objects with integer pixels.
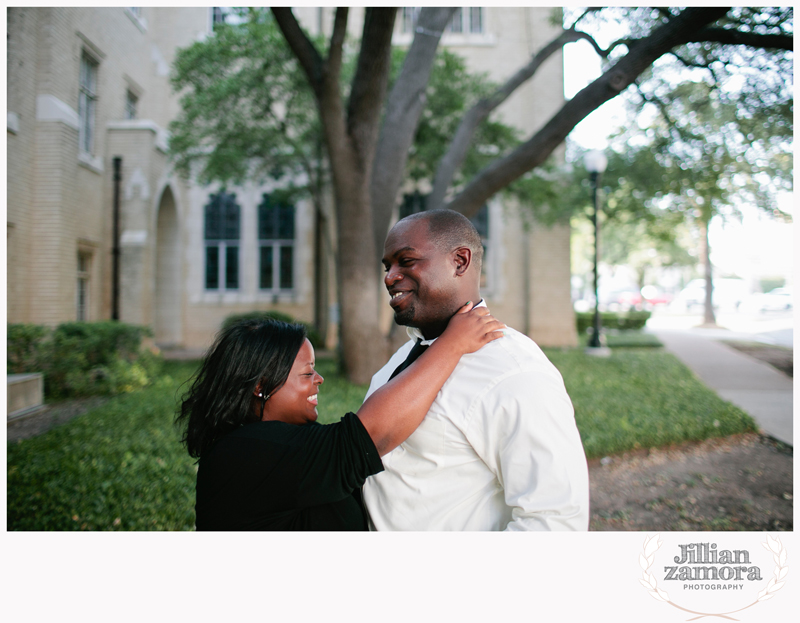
[
  {"x": 121, "y": 466},
  {"x": 641, "y": 398},
  {"x": 624, "y": 339}
]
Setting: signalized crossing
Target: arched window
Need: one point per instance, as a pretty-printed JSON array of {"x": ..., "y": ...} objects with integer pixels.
[
  {"x": 276, "y": 245},
  {"x": 222, "y": 216}
]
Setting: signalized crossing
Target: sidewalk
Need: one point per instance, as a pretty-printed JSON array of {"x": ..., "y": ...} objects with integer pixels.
[{"x": 751, "y": 385}]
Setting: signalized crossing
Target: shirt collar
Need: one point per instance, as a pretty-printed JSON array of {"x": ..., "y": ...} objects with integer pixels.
[{"x": 415, "y": 334}]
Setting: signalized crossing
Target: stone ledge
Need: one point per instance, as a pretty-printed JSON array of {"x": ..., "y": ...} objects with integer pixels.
[{"x": 25, "y": 394}]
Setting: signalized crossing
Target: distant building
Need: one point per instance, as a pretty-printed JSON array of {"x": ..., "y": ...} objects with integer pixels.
[{"x": 87, "y": 86}]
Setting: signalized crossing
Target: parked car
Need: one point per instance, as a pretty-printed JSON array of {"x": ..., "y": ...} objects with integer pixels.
[
  {"x": 779, "y": 299},
  {"x": 653, "y": 296},
  {"x": 727, "y": 294}
]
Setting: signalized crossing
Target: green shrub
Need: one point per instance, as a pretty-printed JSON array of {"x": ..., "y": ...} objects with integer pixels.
[
  {"x": 621, "y": 321},
  {"x": 83, "y": 358},
  {"x": 24, "y": 347},
  {"x": 313, "y": 335}
]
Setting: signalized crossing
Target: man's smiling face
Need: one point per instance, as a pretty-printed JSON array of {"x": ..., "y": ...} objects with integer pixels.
[{"x": 420, "y": 279}]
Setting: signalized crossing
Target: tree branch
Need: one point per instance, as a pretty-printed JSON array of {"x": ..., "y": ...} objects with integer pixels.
[
  {"x": 729, "y": 36},
  {"x": 335, "y": 50},
  {"x": 538, "y": 148},
  {"x": 305, "y": 51},
  {"x": 372, "y": 74},
  {"x": 403, "y": 111},
  {"x": 459, "y": 146}
]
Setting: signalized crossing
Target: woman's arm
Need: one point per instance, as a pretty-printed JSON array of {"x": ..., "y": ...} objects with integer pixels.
[{"x": 395, "y": 410}]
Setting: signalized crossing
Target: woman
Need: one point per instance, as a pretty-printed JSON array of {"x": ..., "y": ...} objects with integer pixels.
[{"x": 265, "y": 463}]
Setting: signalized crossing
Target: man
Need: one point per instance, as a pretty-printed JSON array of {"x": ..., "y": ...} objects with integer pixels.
[{"x": 498, "y": 449}]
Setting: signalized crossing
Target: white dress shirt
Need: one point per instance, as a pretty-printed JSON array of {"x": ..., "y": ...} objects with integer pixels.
[{"x": 498, "y": 450}]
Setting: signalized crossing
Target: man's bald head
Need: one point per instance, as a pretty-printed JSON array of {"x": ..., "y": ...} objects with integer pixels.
[{"x": 449, "y": 230}]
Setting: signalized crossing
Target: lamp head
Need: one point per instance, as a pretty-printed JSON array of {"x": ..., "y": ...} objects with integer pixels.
[{"x": 595, "y": 161}]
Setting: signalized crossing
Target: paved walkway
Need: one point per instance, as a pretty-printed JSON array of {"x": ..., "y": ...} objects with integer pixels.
[{"x": 754, "y": 386}]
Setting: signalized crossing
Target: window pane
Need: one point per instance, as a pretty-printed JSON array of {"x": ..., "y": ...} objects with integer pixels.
[
  {"x": 232, "y": 268},
  {"x": 286, "y": 222},
  {"x": 86, "y": 103},
  {"x": 82, "y": 298},
  {"x": 484, "y": 279},
  {"x": 456, "y": 24},
  {"x": 213, "y": 225},
  {"x": 88, "y": 77},
  {"x": 286, "y": 267},
  {"x": 412, "y": 203},
  {"x": 266, "y": 219},
  {"x": 265, "y": 268},
  {"x": 130, "y": 105},
  {"x": 231, "y": 215},
  {"x": 212, "y": 268},
  {"x": 222, "y": 217},
  {"x": 481, "y": 221},
  {"x": 476, "y": 19},
  {"x": 408, "y": 19}
]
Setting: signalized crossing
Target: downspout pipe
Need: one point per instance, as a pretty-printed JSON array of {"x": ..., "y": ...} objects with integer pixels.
[{"x": 115, "y": 250}]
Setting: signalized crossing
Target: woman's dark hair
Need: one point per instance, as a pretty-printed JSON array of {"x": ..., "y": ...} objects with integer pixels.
[{"x": 244, "y": 355}]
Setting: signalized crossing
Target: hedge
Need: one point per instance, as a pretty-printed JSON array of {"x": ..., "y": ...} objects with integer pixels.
[
  {"x": 621, "y": 321},
  {"x": 83, "y": 358}
]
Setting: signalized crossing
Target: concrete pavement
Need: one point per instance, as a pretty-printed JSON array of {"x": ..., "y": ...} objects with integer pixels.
[{"x": 755, "y": 387}]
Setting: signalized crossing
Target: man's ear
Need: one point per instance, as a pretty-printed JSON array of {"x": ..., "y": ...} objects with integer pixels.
[{"x": 462, "y": 258}]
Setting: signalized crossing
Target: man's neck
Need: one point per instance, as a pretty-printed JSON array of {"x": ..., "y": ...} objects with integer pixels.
[{"x": 431, "y": 332}]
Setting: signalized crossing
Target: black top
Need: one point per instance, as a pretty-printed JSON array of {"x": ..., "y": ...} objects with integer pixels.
[{"x": 278, "y": 476}]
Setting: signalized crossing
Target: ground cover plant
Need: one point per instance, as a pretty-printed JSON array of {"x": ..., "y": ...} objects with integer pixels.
[
  {"x": 642, "y": 398},
  {"x": 118, "y": 467},
  {"x": 121, "y": 466}
]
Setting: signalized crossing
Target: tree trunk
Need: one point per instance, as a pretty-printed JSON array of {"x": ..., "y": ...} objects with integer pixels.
[
  {"x": 351, "y": 140},
  {"x": 403, "y": 110},
  {"x": 321, "y": 265},
  {"x": 708, "y": 306}
]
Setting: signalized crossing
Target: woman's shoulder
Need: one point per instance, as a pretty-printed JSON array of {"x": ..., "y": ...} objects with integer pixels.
[
  {"x": 270, "y": 431},
  {"x": 284, "y": 433}
]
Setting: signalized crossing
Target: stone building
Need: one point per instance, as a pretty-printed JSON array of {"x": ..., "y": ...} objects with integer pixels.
[{"x": 88, "y": 91}]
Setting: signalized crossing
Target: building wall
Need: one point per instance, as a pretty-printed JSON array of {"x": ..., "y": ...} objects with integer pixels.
[
  {"x": 60, "y": 203},
  {"x": 59, "y": 200},
  {"x": 207, "y": 309}
]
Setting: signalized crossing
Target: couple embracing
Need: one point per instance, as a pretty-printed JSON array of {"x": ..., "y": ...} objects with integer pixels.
[{"x": 467, "y": 427}]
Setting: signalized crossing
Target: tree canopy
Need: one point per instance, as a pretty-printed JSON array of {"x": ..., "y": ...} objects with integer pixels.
[{"x": 368, "y": 128}]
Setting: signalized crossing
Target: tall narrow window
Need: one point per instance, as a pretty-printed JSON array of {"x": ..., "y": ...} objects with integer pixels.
[
  {"x": 217, "y": 17},
  {"x": 413, "y": 203},
  {"x": 409, "y": 19},
  {"x": 457, "y": 21},
  {"x": 475, "y": 19},
  {"x": 276, "y": 245},
  {"x": 481, "y": 222},
  {"x": 131, "y": 103},
  {"x": 222, "y": 217},
  {"x": 82, "y": 292},
  {"x": 87, "y": 98}
]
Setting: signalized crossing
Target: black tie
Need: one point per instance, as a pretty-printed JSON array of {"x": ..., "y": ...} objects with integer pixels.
[{"x": 418, "y": 349}]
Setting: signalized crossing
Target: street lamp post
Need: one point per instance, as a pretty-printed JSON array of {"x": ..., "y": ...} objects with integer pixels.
[{"x": 596, "y": 162}]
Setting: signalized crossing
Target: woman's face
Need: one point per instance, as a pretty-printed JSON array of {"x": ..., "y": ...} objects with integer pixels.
[{"x": 295, "y": 402}]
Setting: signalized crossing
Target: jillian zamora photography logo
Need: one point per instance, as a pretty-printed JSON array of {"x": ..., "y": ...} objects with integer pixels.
[{"x": 710, "y": 578}]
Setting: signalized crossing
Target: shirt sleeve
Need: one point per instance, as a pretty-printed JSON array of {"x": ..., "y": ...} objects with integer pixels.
[
  {"x": 524, "y": 430},
  {"x": 334, "y": 460}
]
